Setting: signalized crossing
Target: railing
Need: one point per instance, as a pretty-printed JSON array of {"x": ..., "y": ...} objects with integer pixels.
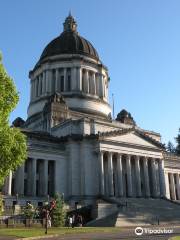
[{"x": 21, "y": 222}]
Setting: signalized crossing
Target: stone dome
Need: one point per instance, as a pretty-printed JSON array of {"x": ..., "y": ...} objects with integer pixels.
[{"x": 69, "y": 42}]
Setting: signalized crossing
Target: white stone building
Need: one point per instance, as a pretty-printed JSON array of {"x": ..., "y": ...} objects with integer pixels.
[{"x": 74, "y": 146}]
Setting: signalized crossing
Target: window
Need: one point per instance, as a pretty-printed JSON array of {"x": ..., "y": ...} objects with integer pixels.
[
  {"x": 53, "y": 80},
  {"x": 69, "y": 83},
  {"x": 62, "y": 84}
]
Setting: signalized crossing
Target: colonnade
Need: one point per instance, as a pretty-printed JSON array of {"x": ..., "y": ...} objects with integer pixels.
[
  {"x": 67, "y": 80},
  {"x": 131, "y": 176},
  {"x": 34, "y": 178},
  {"x": 172, "y": 185}
]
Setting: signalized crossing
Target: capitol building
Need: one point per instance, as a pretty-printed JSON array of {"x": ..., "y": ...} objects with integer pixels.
[{"x": 76, "y": 148}]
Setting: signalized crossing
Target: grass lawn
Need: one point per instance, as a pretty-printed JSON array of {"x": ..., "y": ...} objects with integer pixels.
[
  {"x": 32, "y": 232},
  {"x": 176, "y": 238}
]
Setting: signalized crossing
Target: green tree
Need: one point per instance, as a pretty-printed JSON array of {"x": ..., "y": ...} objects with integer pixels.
[
  {"x": 1, "y": 204},
  {"x": 13, "y": 149},
  {"x": 178, "y": 143},
  {"x": 170, "y": 147},
  {"x": 58, "y": 213}
]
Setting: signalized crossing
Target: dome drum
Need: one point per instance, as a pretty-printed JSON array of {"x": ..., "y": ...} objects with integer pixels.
[{"x": 70, "y": 65}]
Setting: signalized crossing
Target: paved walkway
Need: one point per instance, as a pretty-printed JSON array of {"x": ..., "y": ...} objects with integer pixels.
[
  {"x": 7, "y": 238},
  {"x": 121, "y": 235}
]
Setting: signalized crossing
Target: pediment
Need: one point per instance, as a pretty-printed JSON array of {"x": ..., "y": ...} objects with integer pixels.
[{"x": 131, "y": 138}]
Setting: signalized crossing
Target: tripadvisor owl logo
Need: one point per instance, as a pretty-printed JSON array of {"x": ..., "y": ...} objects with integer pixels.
[{"x": 139, "y": 231}]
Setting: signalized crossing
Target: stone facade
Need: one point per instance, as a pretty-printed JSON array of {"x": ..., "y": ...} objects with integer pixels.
[{"x": 74, "y": 146}]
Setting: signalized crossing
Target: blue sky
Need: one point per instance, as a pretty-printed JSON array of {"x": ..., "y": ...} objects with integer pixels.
[{"x": 138, "y": 40}]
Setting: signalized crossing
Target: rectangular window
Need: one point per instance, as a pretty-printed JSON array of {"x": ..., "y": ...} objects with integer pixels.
[
  {"x": 69, "y": 83},
  {"x": 53, "y": 80},
  {"x": 25, "y": 187},
  {"x": 62, "y": 84}
]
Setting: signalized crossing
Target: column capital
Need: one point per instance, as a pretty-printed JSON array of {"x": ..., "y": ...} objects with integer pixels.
[
  {"x": 128, "y": 156},
  {"x": 137, "y": 157},
  {"x": 119, "y": 155}
]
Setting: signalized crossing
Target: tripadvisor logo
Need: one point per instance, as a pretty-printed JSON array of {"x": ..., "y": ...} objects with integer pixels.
[{"x": 139, "y": 231}]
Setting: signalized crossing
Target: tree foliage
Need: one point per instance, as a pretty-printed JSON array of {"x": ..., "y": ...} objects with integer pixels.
[
  {"x": 170, "y": 147},
  {"x": 1, "y": 204},
  {"x": 13, "y": 147},
  {"x": 58, "y": 213},
  {"x": 178, "y": 143},
  {"x": 29, "y": 211}
]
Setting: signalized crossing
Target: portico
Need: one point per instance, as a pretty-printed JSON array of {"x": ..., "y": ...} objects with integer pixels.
[
  {"x": 125, "y": 175},
  {"x": 34, "y": 178}
]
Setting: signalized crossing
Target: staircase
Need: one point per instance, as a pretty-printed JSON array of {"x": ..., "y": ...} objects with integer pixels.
[{"x": 135, "y": 211}]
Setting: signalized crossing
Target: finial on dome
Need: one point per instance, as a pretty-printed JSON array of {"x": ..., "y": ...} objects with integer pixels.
[
  {"x": 70, "y": 15},
  {"x": 70, "y": 23}
]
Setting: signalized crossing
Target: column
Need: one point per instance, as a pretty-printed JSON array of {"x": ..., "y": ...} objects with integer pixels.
[
  {"x": 45, "y": 177},
  {"x": 57, "y": 80},
  {"x": 97, "y": 84},
  {"x": 178, "y": 186},
  {"x": 79, "y": 79},
  {"x": 163, "y": 191},
  {"x": 39, "y": 85},
  {"x": 129, "y": 175},
  {"x": 138, "y": 177},
  {"x": 110, "y": 174},
  {"x": 36, "y": 86},
  {"x": 43, "y": 82},
  {"x": 101, "y": 179},
  {"x": 167, "y": 189},
  {"x": 87, "y": 81},
  {"x": 146, "y": 177},
  {"x": 49, "y": 81},
  {"x": 9, "y": 183},
  {"x": 73, "y": 79},
  {"x": 101, "y": 85},
  {"x": 120, "y": 177},
  {"x": 154, "y": 179},
  {"x": 19, "y": 180},
  {"x": 33, "y": 177},
  {"x": 65, "y": 73},
  {"x": 94, "y": 83},
  {"x": 172, "y": 187},
  {"x": 31, "y": 90},
  {"x": 158, "y": 177}
]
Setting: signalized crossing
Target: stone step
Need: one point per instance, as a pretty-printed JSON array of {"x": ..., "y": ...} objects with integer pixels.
[{"x": 139, "y": 212}]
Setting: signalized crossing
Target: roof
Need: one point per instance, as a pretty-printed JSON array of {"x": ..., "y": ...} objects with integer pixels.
[
  {"x": 69, "y": 42},
  {"x": 135, "y": 130},
  {"x": 98, "y": 136}
]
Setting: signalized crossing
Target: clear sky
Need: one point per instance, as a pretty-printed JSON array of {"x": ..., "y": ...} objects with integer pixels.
[{"x": 138, "y": 40}]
